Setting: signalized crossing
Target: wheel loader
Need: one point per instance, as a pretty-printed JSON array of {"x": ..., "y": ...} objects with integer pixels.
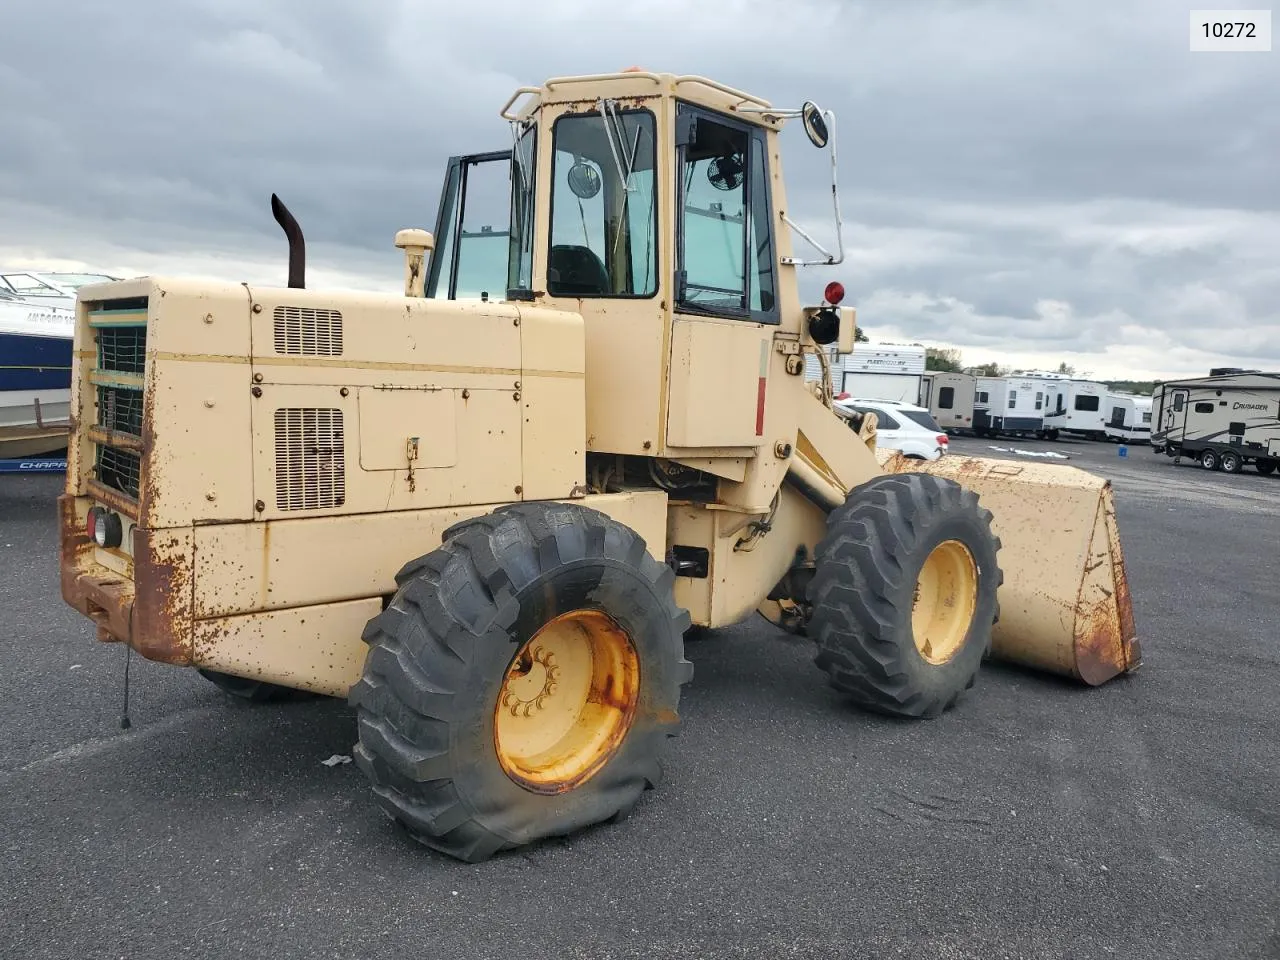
[{"x": 487, "y": 509}]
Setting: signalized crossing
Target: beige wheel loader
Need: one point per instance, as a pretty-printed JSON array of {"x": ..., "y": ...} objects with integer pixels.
[{"x": 486, "y": 510}]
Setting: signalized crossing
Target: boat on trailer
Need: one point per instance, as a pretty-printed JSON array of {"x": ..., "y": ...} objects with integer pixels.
[{"x": 35, "y": 375}]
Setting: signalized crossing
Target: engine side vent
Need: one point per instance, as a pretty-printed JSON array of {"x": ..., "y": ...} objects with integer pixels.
[
  {"x": 308, "y": 331},
  {"x": 310, "y": 459}
]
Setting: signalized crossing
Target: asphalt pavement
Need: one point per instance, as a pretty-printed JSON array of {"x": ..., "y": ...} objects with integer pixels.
[{"x": 1040, "y": 819}]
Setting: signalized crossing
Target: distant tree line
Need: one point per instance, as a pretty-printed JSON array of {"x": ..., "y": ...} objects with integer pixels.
[
  {"x": 948, "y": 360},
  {"x": 1144, "y": 387}
]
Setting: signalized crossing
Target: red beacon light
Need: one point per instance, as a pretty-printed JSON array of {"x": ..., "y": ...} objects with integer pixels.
[{"x": 834, "y": 292}]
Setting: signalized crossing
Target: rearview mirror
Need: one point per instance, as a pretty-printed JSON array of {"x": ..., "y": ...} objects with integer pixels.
[{"x": 814, "y": 126}]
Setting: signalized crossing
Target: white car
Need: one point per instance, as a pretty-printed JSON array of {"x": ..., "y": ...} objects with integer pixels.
[{"x": 900, "y": 426}]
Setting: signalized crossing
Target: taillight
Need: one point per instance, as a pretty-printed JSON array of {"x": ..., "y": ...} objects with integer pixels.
[
  {"x": 942, "y": 439},
  {"x": 104, "y": 527}
]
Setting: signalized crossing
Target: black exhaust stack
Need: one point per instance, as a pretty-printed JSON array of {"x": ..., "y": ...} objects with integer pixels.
[{"x": 297, "y": 247}]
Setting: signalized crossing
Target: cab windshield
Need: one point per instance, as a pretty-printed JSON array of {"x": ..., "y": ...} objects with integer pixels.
[{"x": 603, "y": 206}]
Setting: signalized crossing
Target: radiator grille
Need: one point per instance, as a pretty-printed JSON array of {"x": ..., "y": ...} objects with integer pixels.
[
  {"x": 308, "y": 331},
  {"x": 310, "y": 459},
  {"x": 122, "y": 349},
  {"x": 119, "y": 470},
  {"x": 120, "y": 410}
]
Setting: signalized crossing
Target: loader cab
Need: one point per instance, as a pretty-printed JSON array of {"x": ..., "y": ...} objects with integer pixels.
[{"x": 650, "y": 205}]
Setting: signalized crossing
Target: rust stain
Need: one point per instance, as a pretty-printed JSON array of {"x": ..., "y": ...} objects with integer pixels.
[
  {"x": 1099, "y": 653},
  {"x": 970, "y": 467},
  {"x": 1105, "y": 641},
  {"x": 1132, "y": 649},
  {"x": 104, "y": 600},
  {"x": 153, "y": 618},
  {"x": 114, "y": 438},
  {"x": 162, "y": 612},
  {"x": 113, "y": 499},
  {"x": 148, "y": 490},
  {"x": 614, "y": 690}
]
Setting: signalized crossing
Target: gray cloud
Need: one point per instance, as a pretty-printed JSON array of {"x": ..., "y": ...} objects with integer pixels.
[{"x": 1035, "y": 179}]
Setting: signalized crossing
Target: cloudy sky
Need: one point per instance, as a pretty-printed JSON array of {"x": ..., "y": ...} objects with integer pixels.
[{"x": 1031, "y": 181}]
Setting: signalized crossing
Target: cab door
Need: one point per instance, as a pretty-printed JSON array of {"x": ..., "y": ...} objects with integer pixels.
[
  {"x": 473, "y": 229},
  {"x": 725, "y": 291}
]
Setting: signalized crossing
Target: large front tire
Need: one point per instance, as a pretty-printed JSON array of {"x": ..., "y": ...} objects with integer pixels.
[
  {"x": 904, "y": 594},
  {"x": 523, "y": 681}
]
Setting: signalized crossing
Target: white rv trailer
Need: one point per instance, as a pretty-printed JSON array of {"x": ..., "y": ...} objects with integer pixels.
[
  {"x": 1010, "y": 405},
  {"x": 949, "y": 398},
  {"x": 1224, "y": 422},
  {"x": 1078, "y": 407},
  {"x": 883, "y": 371},
  {"x": 1128, "y": 418}
]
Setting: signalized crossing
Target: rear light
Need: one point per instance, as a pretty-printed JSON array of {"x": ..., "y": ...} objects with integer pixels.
[
  {"x": 104, "y": 527},
  {"x": 942, "y": 439},
  {"x": 834, "y": 292}
]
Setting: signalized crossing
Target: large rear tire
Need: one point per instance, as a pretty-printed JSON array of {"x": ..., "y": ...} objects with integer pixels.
[
  {"x": 1265, "y": 467},
  {"x": 523, "y": 681},
  {"x": 904, "y": 594}
]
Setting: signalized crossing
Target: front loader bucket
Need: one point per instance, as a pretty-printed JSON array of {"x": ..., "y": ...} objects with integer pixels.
[{"x": 1064, "y": 603}]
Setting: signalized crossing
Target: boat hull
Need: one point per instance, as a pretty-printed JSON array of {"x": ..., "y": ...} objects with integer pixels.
[{"x": 35, "y": 393}]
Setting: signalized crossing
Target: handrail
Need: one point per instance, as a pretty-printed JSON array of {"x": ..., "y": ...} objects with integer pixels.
[
  {"x": 514, "y": 97},
  {"x": 716, "y": 85},
  {"x": 596, "y": 77}
]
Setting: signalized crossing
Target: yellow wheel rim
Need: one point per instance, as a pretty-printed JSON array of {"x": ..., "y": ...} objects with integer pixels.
[
  {"x": 567, "y": 701},
  {"x": 945, "y": 597}
]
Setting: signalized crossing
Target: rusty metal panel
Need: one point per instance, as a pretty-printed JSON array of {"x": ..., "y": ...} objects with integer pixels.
[
  {"x": 314, "y": 648},
  {"x": 152, "y": 614},
  {"x": 164, "y": 584},
  {"x": 248, "y": 567}
]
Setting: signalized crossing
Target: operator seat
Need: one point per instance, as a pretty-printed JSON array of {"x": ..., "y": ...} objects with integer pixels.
[{"x": 574, "y": 270}]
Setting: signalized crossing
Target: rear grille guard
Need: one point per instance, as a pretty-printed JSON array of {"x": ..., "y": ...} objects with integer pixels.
[{"x": 120, "y": 332}]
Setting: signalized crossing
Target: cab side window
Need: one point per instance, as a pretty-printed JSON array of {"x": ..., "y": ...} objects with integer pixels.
[{"x": 725, "y": 254}]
